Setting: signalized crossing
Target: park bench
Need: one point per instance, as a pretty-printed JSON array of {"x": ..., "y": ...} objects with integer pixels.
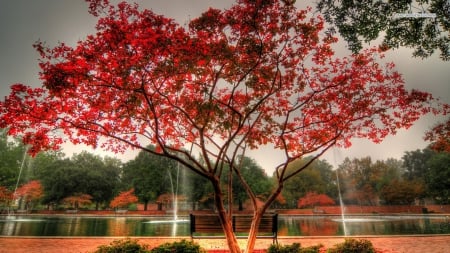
[
  {"x": 72, "y": 211},
  {"x": 208, "y": 226}
]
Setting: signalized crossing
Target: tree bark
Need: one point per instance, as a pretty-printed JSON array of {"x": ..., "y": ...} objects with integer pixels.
[
  {"x": 145, "y": 205},
  {"x": 251, "y": 241},
  {"x": 225, "y": 220}
]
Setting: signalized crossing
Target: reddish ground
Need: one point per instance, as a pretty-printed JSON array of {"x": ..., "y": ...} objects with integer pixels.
[{"x": 400, "y": 244}]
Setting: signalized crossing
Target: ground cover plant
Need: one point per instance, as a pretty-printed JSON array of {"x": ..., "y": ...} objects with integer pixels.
[{"x": 123, "y": 246}]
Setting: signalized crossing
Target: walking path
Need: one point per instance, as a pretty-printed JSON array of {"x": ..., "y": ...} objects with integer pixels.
[{"x": 392, "y": 244}]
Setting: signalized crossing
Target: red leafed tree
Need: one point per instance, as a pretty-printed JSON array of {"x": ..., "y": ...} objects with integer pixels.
[
  {"x": 259, "y": 73},
  {"x": 124, "y": 199},
  {"x": 78, "y": 200},
  {"x": 439, "y": 135},
  {"x": 312, "y": 199},
  {"x": 30, "y": 192},
  {"x": 5, "y": 196}
]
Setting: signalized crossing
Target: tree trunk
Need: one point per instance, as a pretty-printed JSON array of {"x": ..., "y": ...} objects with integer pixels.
[
  {"x": 251, "y": 241},
  {"x": 225, "y": 220},
  {"x": 145, "y": 205}
]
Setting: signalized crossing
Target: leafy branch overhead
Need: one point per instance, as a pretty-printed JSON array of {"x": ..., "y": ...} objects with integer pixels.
[{"x": 365, "y": 21}]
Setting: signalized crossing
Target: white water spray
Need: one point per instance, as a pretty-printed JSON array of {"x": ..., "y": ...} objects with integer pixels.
[
  {"x": 20, "y": 174},
  {"x": 341, "y": 203}
]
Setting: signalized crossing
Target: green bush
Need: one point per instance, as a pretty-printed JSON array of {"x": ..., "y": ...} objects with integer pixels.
[
  {"x": 123, "y": 246},
  {"x": 294, "y": 248},
  {"x": 179, "y": 247},
  {"x": 353, "y": 246}
]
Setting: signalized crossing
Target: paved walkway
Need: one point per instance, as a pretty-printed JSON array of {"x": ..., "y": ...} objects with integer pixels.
[{"x": 398, "y": 244}]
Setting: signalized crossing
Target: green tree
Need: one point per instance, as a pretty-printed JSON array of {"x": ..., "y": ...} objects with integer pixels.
[
  {"x": 365, "y": 21},
  {"x": 12, "y": 159},
  {"x": 415, "y": 163},
  {"x": 99, "y": 180},
  {"x": 401, "y": 192},
  {"x": 256, "y": 178},
  {"x": 317, "y": 177},
  {"x": 359, "y": 180},
  {"x": 438, "y": 177},
  {"x": 148, "y": 175},
  {"x": 83, "y": 173}
]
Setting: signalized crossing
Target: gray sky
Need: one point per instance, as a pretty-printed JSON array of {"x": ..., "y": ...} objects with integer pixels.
[{"x": 22, "y": 22}]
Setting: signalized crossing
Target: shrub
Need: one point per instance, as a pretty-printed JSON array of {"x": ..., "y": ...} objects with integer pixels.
[
  {"x": 353, "y": 246},
  {"x": 179, "y": 247},
  {"x": 294, "y": 248},
  {"x": 123, "y": 246}
]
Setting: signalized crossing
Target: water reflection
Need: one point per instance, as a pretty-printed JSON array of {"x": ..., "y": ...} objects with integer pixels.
[
  {"x": 152, "y": 226},
  {"x": 361, "y": 225}
]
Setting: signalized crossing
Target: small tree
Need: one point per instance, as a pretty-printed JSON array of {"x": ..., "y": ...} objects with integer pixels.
[
  {"x": 311, "y": 199},
  {"x": 124, "y": 199},
  {"x": 6, "y": 196},
  {"x": 30, "y": 192}
]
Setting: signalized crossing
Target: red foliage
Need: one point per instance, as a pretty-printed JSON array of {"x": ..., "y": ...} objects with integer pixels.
[
  {"x": 312, "y": 199},
  {"x": 124, "y": 199},
  {"x": 233, "y": 75},
  {"x": 30, "y": 191},
  {"x": 5, "y": 195},
  {"x": 440, "y": 136}
]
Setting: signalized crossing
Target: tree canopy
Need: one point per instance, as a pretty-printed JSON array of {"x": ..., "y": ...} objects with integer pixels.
[
  {"x": 421, "y": 25},
  {"x": 258, "y": 73}
]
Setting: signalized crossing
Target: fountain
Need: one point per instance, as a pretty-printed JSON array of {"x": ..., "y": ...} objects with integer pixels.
[
  {"x": 341, "y": 203},
  {"x": 175, "y": 220},
  {"x": 9, "y": 216}
]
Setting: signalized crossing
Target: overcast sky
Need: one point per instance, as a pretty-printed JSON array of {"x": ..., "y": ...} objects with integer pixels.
[{"x": 22, "y": 22}]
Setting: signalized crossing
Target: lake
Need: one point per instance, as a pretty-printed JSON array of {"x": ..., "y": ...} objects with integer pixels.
[{"x": 317, "y": 225}]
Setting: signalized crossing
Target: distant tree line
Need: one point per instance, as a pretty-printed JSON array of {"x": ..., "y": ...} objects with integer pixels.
[{"x": 420, "y": 176}]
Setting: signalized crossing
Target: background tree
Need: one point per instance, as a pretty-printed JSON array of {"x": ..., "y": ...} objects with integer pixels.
[
  {"x": 317, "y": 177},
  {"x": 12, "y": 155},
  {"x": 256, "y": 178},
  {"x": 257, "y": 73},
  {"x": 148, "y": 175},
  {"x": 78, "y": 200},
  {"x": 415, "y": 163},
  {"x": 6, "y": 196},
  {"x": 124, "y": 199},
  {"x": 438, "y": 177},
  {"x": 100, "y": 180},
  {"x": 83, "y": 173},
  {"x": 311, "y": 199},
  {"x": 365, "y": 21},
  {"x": 359, "y": 180},
  {"x": 401, "y": 192},
  {"x": 29, "y": 193}
]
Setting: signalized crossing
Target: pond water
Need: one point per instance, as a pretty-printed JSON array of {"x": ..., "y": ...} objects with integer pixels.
[{"x": 163, "y": 226}]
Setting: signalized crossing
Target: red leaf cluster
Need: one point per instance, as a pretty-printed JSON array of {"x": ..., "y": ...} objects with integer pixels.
[
  {"x": 5, "y": 195},
  {"x": 124, "y": 199},
  {"x": 312, "y": 199},
  {"x": 30, "y": 191}
]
